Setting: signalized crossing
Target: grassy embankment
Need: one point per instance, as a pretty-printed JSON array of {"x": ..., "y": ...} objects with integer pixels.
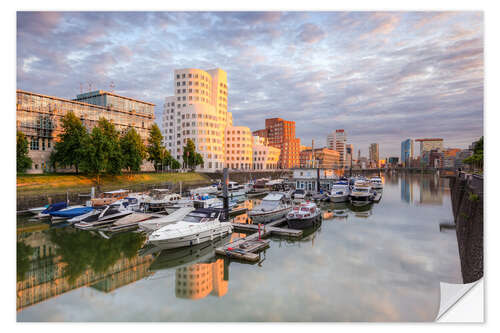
[{"x": 57, "y": 183}]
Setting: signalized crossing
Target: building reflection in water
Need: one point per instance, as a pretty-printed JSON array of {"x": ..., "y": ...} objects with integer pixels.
[
  {"x": 200, "y": 280},
  {"x": 45, "y": 277},
  {"x": 406, "y": 188},
  {"x": 430, "y": 191}
]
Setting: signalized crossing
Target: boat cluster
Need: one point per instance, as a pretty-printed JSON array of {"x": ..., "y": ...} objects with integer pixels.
[
  {"x": 173, "y": 221},
  {"x": 356, "y": 190}
]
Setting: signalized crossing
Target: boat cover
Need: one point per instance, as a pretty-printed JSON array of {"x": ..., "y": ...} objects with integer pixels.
[
  {"x": 72, "y": 212},
  {"x": 55, "y": 207}
]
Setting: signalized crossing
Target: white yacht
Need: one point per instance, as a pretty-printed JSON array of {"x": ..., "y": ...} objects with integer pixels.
[
  {"x": 376, "y": 183},
  {"x": 199, "y": 226},
  {"x": 197, "y": 201},
  {"x": 361, "y": 193},
  {"x": 159, "y": 199},
  {"x": 155, "y": 224},
  {"x": 299, "y": 194},
  {"x": 339, "y": 192},
  {"x": 234, "y": 189},
  {"x": 108, "y": 214},
  {"x": 272, "y": 207},
  {"x": 204, "y": 190}
]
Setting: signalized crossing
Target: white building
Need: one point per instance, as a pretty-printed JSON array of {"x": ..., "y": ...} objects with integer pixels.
[
  {"x": 265, "y": 157},
  {"x": 337, "y": 141},
  {"x": 198, "y": 111}
]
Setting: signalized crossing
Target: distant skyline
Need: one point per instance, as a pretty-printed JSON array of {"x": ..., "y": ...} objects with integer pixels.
[{"x": 381, "y": 76}]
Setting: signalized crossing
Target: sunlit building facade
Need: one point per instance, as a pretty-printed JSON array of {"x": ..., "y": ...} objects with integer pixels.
[
  {"x": 239, "y": 150},
  {"x": 374, "y": 155},
  {"x": 265, "y": 157},
  {"x": 39, "y": 118},
  {"x": 198, "y": 111},
  {"x": 280, "y": 134},
  {"x": 320, "y": 158},
  {"x": 337, "y": 141}
]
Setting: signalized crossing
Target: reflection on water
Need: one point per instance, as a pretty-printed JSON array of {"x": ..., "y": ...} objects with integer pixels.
[{"x": 378, "y": 262}]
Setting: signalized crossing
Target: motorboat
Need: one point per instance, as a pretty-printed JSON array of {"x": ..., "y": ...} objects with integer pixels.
[
  {"x": 339, "y": 192},
  {"x": 108, "y": 198},
  {"x": 159, "y": 199},
  {"x": 37, "y": 210},
  {"x": 155, "y": 224},
  {"x": 211, "y": 189},
  {"x": 361, "y": 193},
  {"x": 69, "y": 213},
  {"x": 321, "y": 196},
  {"x": 108, "y": 214},
  {"x": 299, "y": 194},
  {"x": 376, "y": 183},
  {"x": 235, "y": 189},
  {"x": 52, "y": 208},
  {"x": 304, "y": 216},
  {"x": 199, "y": 226},
  {"x": 93, "y": 213},
  {"x": 196, "y": 201},
  {"x": 272, "y": 207}
]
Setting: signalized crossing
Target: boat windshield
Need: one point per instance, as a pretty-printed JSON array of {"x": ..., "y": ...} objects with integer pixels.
[
  {"x": 299, "y": 191},
  {"x": 198, "y": 217},
  {"x": 361, "y": 189}
]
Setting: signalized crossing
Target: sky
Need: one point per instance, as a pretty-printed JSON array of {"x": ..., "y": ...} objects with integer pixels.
[{"x": 381, "y": 76}]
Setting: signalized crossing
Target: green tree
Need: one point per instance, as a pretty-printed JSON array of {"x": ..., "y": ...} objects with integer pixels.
[
  {"x": 155, "y": 148},
  {"x": 476, "y": 159},
  {"x": 133, "y": 150},
  {"x": 70, "y": 145},
  {"x": 96, "y": 152},
  {"x": 23, "y": 162},
  {"x": 115, "y": 161},
  {"x": 190, "y": 157}
]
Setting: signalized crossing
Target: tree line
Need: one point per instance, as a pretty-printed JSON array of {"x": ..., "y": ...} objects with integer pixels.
[{"x": 104, "y": 150}]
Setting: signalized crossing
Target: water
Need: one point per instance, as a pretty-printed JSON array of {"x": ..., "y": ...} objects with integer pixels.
[{"x": 380, "y": 263}]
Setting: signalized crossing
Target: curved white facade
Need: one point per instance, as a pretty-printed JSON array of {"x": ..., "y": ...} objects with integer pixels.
[{"x": 198, "y": 111}]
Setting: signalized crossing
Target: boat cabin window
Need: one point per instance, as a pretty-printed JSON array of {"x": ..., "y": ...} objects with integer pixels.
[
  {"x": 361, "y": 189},
  {"x": 200, "y": 217},
  {"x": 299, "y": 191},
  {"x": 304, "y": 209}
]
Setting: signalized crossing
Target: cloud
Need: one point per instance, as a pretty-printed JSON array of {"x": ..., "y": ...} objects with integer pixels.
[
  {"x": 310, "y": 33},
  {"x": 381, "y": 76}
]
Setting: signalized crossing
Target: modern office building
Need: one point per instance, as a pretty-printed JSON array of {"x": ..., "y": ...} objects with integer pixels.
[
  {"x": 280, "y": 134},
  {"x": 374, "y": 155},
  {"x": 406, "y": 152},
  {"x": 430, "y": 144},
  {"x": 39, "y": 118},
  {"x": 323, "y": 158},
  {"x": 265, "y": 157},
  {"x": 198, "y": 111},
  {"x": 337, "y": 141},
  {"x": 349, "y": 155}
]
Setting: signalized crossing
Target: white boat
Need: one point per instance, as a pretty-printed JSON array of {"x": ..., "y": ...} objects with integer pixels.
[
  {"x": 204, "y": 201},
  {"x": 272, "y": 207},
  {"x": 159, "y": 199},
  {"x": 109, "y": 214},
  {"x": 376, "y": 183},
  {"x": 199, "y": 226},
  {"x": 303, "y": 216},
  {"x": 361, "y": 193},
  {"x": 37, "y": 210},
  {"x": 339, "y": 192},
  {"x": 204, "y": 190},
  {"x": 299, "y": 194},
  {"x": 155, "y": 224},
  {"x": 234, "y": 189}
]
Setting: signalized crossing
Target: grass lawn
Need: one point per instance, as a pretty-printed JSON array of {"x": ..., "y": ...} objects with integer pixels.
[{"x": 54, "y": 183}]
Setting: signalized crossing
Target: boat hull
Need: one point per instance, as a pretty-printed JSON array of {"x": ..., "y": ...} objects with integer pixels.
[
  {"x": 193, "y": 239},
  {"x": 339, "y": 198},
  {"x": 267, "y": 217},
  {"x": 305, "y": 223}
]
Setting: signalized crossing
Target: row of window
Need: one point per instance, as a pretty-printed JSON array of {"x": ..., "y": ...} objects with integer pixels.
[{"x": 35, "y": 143}]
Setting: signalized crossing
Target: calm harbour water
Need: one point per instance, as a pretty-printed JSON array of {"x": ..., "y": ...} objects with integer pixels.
[{"x": 380, "y": 263}]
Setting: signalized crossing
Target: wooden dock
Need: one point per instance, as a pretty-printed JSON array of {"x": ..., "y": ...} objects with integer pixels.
[{"x": 247, "y": 248}]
